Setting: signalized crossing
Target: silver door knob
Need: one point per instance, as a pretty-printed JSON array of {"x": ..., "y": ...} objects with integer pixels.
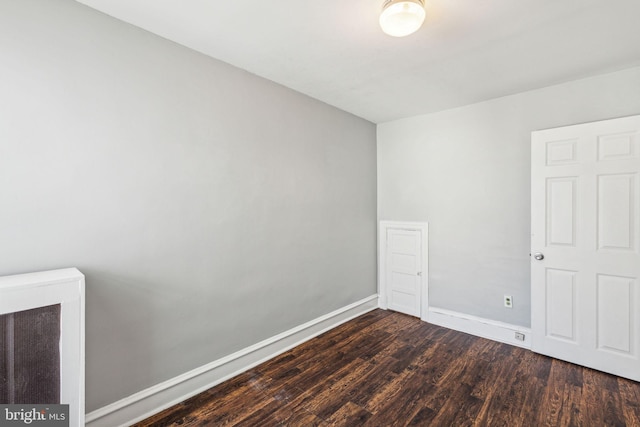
[{"x": 539, "y": 256}]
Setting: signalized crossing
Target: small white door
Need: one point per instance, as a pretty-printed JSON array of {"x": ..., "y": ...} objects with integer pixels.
[
  {"x": 585, "y": 237},
  {"x": 403, "y": 269}
]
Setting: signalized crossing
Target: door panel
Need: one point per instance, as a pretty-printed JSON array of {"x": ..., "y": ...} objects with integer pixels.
[
  {"x": 562, "y": 152},
  {"x": 403, "y": 271},
  {"x": 616, "y": 211},
  {"x": 615, "y": 314},
  {"x": 561, "y": 304},
  {"x": 618, "y": 146},
  {"x": 585, "y": 219},
  {"x": 561, "y": 211}
]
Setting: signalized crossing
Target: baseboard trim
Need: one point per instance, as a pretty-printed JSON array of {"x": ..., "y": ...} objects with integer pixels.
[
  {"x": 147, "y": 402},
  {"x": 485, "y": 328}
]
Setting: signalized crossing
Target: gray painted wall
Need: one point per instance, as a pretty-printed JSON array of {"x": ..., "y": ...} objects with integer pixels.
[
  {"x": 209, "y": 208},
  {"x": 467, "y": 172}
]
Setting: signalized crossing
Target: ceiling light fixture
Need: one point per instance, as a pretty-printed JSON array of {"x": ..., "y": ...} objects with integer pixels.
[{"x": 400, "y": 18}]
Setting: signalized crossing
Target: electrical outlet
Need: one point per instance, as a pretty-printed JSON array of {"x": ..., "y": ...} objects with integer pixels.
[
  {"x": 508, "y": 301},
  {"x": 519, "y": 336}
]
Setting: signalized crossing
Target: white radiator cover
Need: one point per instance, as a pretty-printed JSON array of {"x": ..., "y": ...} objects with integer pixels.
[{"x": 65, "y": 287}]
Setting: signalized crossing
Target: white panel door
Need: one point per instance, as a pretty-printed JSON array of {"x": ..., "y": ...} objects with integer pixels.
[
  {"x": 404, "y": 255},
  {"x": 585, "y": 244}
]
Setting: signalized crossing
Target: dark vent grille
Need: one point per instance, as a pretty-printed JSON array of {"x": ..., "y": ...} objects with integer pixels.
[{"x": 30, "y": 356}]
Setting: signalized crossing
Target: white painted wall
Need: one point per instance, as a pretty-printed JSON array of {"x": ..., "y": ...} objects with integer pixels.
[
  {"x": 467, "y": 172},
  {"x": 208, "y": 208}
]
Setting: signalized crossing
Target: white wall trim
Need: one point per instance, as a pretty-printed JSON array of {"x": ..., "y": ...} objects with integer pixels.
[
  {"x": 485, "y": 328},
  {"x": 423, "y": 228},
  {"x": 147, "y": 402}
]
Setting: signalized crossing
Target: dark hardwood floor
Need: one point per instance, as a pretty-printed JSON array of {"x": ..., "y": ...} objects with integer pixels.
[{"x": 388, "y": 369}]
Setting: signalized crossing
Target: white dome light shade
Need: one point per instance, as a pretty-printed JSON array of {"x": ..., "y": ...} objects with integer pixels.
[{"x": 400, "y": 18}]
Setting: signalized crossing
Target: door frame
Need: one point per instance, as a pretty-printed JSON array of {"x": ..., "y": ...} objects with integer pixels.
[{"x": 423, "y": 228}]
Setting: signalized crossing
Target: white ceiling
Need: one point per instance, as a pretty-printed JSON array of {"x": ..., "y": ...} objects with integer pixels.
[{"x": 467, "y": 51}]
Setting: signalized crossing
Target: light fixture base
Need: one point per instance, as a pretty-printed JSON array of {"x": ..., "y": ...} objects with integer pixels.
[{"x": 400, "y": 18}]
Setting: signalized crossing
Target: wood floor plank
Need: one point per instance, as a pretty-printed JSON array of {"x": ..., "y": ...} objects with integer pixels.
[
  {"x": 323, "y": 370},
  {"x": 602, "y": 402},
  {"x": 302, "y": 418},
  {"x": 371, "y": 384},
  {"x": 529, "y": 409},
  {"x": 414, "y": 393},
  {"x": 564, "y": 397},
  {"x": 263, "y": 416},
  {"x": 460, "y": 409},
  {"x": 515, "y": 385},
  {"x": 331, "y": 398},
  {"x": 349, "y": 415},
  {"x": 389, "y": 369},
  {"x": 630, "y": 395},
  {"x": 388, "y": 391},
  {"x": 488, "y": 372}
]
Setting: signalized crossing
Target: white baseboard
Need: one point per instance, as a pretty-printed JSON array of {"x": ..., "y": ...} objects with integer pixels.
[
  {"x": 485, "y": 328},
  {"x": 382, "y": 302},
  {"x": 164, "y": 395}
]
